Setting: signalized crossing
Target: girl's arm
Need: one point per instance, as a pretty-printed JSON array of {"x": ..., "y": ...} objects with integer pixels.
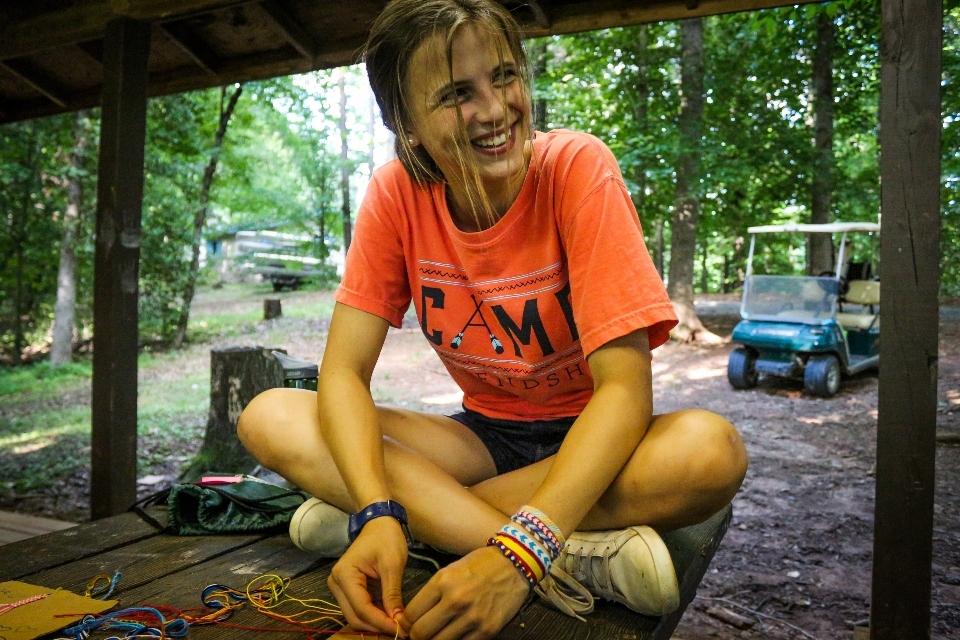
[
  {"x": 605, "y": 435},
  {"x": 351, "y": 430}
]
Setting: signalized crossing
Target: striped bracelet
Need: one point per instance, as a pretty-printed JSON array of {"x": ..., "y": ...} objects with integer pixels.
[
  {"x": 536, "y": 519},
  {"x": 541, "y": 533},
  {"x": 521, "y": 558}
]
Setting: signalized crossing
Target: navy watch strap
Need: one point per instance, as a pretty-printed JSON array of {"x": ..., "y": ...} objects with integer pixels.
[{"x": 377, "y": 510}]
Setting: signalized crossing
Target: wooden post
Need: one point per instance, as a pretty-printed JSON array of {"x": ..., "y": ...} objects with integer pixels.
[
  {"x": 113, "y": 479},
  {"x": 909, "y": 258}
]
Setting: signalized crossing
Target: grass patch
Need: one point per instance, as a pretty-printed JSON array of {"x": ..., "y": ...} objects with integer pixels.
[{"x": 42, "y": 379}]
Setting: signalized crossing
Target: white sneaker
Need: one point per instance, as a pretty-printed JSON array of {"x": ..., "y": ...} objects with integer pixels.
[
  {"x": 319, "y": 527},
  {"x": 631, "y": 566}
]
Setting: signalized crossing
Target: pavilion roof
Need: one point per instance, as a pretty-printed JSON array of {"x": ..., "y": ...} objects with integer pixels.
[{"x": 51, "y": 51}]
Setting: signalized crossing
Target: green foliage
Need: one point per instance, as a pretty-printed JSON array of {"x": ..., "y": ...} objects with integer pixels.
[
  {"x": 33, "y": 168},
  {"x": 950, "y": 149},
  {"x": 180, "y": 132},
  {"x": 758, "y": 135}
]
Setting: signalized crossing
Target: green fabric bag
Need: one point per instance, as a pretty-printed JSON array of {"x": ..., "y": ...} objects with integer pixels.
[{"x": 248, "y": 506}]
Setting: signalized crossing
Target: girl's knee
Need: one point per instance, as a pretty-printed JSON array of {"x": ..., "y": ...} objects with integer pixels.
[
  {"x": 721, "y": 458},
  {"x": 261, "y": 421}
]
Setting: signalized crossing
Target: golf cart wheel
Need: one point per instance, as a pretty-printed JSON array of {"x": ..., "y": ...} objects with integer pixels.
[
  {"x": 742, "y": 369},
  {"x": 822, "y": 375}
]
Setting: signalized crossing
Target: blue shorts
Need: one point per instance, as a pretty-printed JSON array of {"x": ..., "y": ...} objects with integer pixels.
[{"x": 516, "y": 443}]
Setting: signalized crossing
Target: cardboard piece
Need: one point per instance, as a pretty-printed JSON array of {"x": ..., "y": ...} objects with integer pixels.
[{"x": 38, "y": 618}]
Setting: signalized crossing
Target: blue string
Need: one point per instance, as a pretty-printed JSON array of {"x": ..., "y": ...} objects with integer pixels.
[
  {"x": 217, "y": 596},
  {"x": 175, "y": 628}
]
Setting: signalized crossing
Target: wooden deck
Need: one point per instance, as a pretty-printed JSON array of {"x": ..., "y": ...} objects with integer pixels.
[
  {"x": 16, "y": 526},
  {"x": 170, "y": 570}
]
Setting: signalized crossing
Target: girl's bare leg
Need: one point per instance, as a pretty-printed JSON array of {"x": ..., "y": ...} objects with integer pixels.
[
  {"x": 429, "y": 460},
  {"x": 688, "y": 465}
]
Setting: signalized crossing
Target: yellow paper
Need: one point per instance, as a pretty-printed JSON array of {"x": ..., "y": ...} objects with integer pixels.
[{"x": 37, "y": 618}]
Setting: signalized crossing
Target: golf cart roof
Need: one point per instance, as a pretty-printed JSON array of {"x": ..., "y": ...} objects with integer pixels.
[{"x": 833, "y": 227}]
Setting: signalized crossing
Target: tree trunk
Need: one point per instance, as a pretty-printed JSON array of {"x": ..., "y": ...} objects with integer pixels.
[
  {"x": 538, "y": 60},
  {"x": 820, "y": 245},
  {"x": 704, "y": 276},
  {"x": 237, "y": 376},
  {"x": 18, "y": 233},
  {"x": 200, "y": 218},
  {"x": 344, "y": 167},
  {"x": 686, "y": 208},
  {"x": 642, "y": 116},
  {"x": 64, "y": 311},
  {"x": 659, "y": 247}
]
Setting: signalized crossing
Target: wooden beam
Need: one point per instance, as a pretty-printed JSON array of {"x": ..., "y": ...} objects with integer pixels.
[
  {"x": 910, "y": 121},
  {"x": 37, "y": 79},
  {"x": 191, "y": 45},
  {"x": 541, "y": 13},
  {"x": 296, "y": 35},
  {"x": 587, "y": 15},
  {"x": 93, "y": 50},
  {"x": 113, "y": 486},
  {"x": 84, "y": 20}
]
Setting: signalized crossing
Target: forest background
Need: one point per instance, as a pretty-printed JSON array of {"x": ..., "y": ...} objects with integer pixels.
[{"x": 742, "y": 119}]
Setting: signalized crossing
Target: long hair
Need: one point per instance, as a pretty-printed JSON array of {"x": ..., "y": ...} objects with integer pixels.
[{"x": 400, "y": 29}]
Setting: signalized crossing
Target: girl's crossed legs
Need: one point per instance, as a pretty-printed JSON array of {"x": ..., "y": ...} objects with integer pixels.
[{"x": 688, "y": 466}]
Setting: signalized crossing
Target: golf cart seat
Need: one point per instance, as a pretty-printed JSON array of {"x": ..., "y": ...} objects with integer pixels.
[{"x": 865, "y": 293}]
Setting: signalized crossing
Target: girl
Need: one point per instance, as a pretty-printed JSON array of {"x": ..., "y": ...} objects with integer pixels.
[{"x": 524, "y": 258}]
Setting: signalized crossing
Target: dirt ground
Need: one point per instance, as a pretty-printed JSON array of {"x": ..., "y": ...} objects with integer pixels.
[{"x": 796, "y": 562}]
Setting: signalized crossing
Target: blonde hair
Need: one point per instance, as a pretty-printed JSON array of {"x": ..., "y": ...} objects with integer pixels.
[{"x": 400, "y": 29}]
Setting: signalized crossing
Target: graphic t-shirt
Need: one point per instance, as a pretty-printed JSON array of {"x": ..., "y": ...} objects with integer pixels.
[{"x": 513, "y": 310}]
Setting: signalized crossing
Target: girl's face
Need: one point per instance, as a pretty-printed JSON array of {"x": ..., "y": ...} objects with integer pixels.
[{"x": 495, "y": 107}]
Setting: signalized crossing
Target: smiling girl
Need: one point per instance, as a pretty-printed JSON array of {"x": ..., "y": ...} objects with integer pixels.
[{"x": 525, "y": 260}]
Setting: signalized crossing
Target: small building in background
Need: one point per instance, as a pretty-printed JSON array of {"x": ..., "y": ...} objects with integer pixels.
[{"x": 267, "y": 254}]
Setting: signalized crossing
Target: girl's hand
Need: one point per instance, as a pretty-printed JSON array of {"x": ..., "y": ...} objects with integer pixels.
[
  {"x": 378, "y": 553},
  {"x": 472, "y": 598}
]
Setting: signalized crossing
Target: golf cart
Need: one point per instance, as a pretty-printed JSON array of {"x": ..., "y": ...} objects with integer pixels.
[{"x": 815, "y": 327}]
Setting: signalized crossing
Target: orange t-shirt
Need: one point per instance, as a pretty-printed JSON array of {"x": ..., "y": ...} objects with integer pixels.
[{"x": 513, "y": 310}]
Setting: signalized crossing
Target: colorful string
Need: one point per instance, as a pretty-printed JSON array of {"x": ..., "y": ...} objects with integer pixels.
[
  {"x": 266, "y": 594},
  {"x": 102, "y": 592},
  {"x": 19, "y": 603}
]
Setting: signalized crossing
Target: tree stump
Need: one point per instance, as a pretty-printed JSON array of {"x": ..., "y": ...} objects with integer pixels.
[
  {"x": 271, "y": 308},
  {"x": 237, "y": 375}
]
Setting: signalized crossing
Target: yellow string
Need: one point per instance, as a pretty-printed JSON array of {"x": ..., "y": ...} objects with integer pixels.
[
  {"x": 92, "y": 586},
  {"x": 268, "y": 593}
]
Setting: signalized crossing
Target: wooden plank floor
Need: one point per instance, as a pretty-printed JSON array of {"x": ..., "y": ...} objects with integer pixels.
[
  {"x": 17, "y": 526},
  {"x": 161, "y": 569}
]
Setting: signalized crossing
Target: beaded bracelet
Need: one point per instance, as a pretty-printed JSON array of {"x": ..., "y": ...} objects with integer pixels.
[{"x": 520, "y": 558}]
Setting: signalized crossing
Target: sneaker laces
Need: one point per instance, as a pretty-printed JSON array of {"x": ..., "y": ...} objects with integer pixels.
[
  {"x": 565, "y": 593},
  {"x": 593, "y": 576}
]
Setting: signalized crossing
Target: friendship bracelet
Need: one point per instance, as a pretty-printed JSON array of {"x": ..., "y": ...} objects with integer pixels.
[
  {"x": 540, "y": 533},
  {"x": 520, "y": 565},
  {"x": 536, "y": 514},
  {"x": 538, "y": 523},
  {"x": 543, "y": 558},
  {"x": 525, "y": 554}
]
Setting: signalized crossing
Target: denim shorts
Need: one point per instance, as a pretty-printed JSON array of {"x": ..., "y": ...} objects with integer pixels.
[{"x": 516, "y": 443}]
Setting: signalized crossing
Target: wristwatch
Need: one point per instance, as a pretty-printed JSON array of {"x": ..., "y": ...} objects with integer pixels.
[{"x": 376, "y": 510}]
